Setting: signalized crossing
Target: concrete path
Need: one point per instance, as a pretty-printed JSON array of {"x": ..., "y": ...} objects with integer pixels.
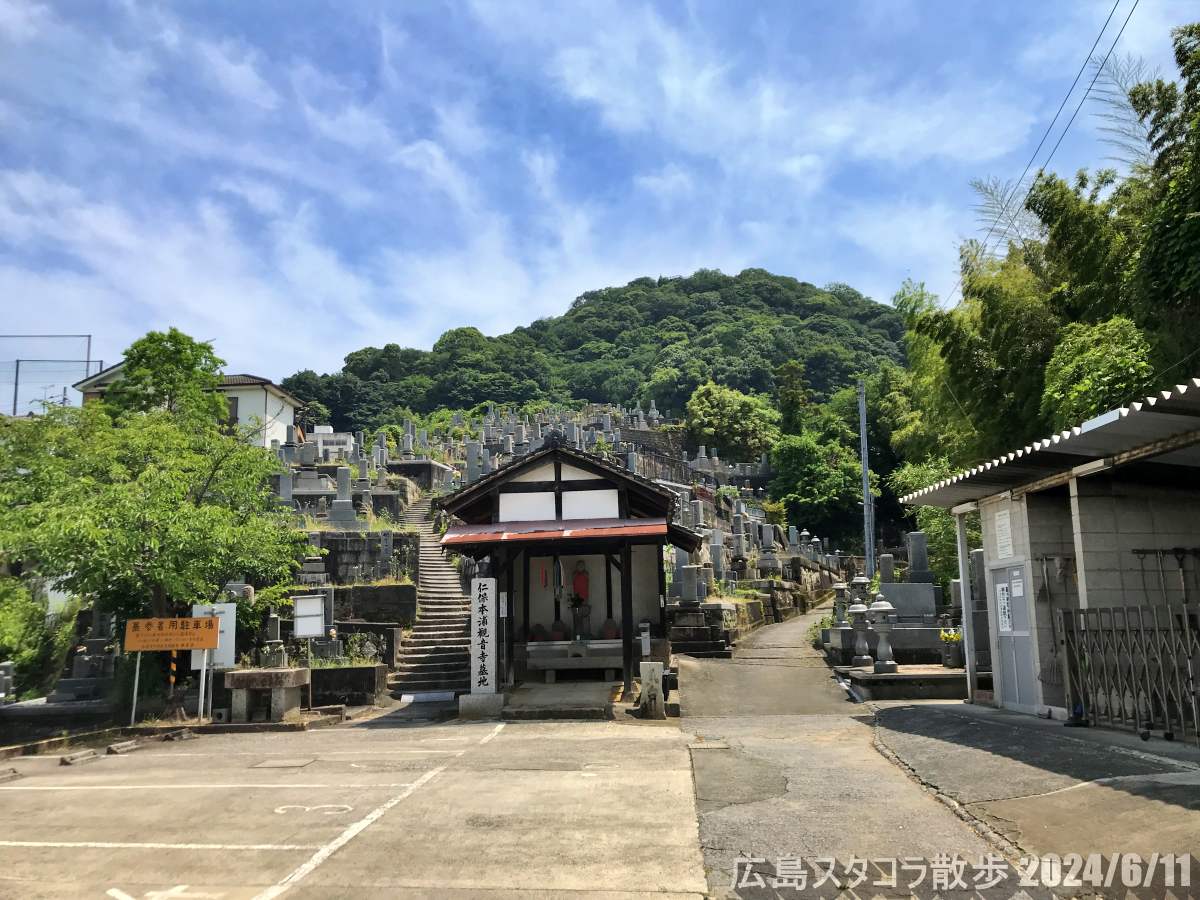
[
  {"x": 602, "y": 809},
  {"x": 1051, "y": 789},
  {"x": 785, "y": 766}
]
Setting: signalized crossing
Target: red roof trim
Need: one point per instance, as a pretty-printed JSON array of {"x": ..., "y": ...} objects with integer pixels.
[{"x": 564, "y": 530}]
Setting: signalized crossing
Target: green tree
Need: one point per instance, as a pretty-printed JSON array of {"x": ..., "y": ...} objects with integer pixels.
[
  {"x": 819, "y": 484},
  {"x": 792, "y": 391},
  {"x": 739, "y": 426},
  {"x": 1095, "y": 368},
  {"x": 35, "y": 641},
  {"x": 169, "y": 371},
  {"x": 938, "y": 524},
  {"x": 145, "y": 514}
]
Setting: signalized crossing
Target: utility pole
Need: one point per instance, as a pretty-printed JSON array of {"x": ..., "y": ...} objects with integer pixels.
[{"x": 868, "y": 500}]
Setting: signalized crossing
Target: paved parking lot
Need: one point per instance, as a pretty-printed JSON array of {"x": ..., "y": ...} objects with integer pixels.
[{"x": 453, "y": 810}]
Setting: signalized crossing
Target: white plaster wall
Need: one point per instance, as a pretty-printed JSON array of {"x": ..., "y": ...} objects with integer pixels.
[
  {"x": 257, "y": 407},
  {"x": 544, "y": 472},
  {"x": 1114, "y": 518},
  {"x": 535, "y": 507},
  {"x": 590, "y": 504}
]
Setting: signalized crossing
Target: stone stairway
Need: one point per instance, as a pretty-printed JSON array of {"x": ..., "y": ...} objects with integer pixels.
[{"x": 436, "y": 657}]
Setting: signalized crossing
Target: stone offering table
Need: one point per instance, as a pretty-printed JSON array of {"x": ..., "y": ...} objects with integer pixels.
[{"x": 283, "y": 685}]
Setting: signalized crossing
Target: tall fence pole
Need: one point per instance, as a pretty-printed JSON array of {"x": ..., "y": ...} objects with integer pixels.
[
  {"x": 16, "y": 386},
  {"x": 868, "y": 502}
]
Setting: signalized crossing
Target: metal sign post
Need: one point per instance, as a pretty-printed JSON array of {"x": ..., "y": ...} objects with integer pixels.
[
  {"x": 137, "y": 674},
  {"x": 203, "y": 673}
]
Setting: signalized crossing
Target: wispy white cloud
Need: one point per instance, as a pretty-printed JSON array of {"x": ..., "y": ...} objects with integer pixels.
[
  {"x": 299, "y": 191},
  {"x": 234, "y": 69}
]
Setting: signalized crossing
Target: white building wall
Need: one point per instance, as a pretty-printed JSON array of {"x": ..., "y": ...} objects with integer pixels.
[{"x": 259, "y": 408}]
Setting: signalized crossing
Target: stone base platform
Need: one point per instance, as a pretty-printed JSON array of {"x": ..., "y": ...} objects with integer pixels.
[
  {"x": 587, "y": 700},
  {"x": 909, "y": 683}
]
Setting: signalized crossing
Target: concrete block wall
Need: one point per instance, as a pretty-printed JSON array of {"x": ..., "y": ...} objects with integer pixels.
[{"x": 1112, "y": 518}]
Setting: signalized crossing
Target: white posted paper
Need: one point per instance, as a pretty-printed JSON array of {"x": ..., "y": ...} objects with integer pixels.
[{"x": 1003, "y": 527}]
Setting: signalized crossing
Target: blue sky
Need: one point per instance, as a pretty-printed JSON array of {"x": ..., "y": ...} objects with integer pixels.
[{"x": 295, "y": 181}]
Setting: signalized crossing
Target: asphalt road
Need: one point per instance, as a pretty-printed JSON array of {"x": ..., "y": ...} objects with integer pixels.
[
  {"x": 1051, "y": 789},
  {"x": 785, "y": 767},
  {"x": 381, "y": 809}
]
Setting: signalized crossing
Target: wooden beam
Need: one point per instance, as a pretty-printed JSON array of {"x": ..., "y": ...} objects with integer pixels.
[
  {"x": 557, "y": 488},
  {"x": 545, "y": 487}
]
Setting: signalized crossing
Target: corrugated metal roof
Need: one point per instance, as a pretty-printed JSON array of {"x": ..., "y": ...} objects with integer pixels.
[{"x": 1159, "y": 417}]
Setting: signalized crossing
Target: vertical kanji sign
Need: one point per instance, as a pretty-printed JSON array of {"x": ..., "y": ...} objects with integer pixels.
[{"x": 483, "y": 635}]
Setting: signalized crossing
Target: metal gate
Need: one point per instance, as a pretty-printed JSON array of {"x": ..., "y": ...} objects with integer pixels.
[{"x": 1134, "y": 667}]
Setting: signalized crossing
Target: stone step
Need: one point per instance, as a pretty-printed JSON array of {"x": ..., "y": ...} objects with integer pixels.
[
  {"x": 457, "y": 685},
  {"x": 433, "y": 667},
  {"x": 457, "y": 642},
  {"x": 437, "y": 648}
]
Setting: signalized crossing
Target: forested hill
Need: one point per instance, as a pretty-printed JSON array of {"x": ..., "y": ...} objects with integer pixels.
[{"x": 651, "y": 339}]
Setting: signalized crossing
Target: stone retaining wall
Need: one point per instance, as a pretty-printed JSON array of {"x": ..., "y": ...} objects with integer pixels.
[{"x": 351, "y": 685}]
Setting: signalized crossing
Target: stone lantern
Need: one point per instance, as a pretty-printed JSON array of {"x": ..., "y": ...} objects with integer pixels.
[
  {"x": 862, "y": 649},
  {"x": 839, "y": 604},
  {"x": 859, "y": 585},
  {"x": 879, "y": 612}
]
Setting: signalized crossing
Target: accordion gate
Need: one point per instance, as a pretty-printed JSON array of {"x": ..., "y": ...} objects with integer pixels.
[{"x": 1134, "y": 667}]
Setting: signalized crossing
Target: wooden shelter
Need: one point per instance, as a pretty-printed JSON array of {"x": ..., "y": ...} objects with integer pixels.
[{"x": 577, "y": 544}]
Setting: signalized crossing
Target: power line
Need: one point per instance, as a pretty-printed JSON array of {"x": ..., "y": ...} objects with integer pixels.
[{"x": 1049, "y": 128}]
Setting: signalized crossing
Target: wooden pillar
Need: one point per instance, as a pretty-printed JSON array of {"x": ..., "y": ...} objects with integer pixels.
[
  {"x": 555, "y": 567},
  {"x": 662, "y": 590},
  {"x": 627, "y": 616},
  {"x": 608, "y": 567},
  {"x": 525, "y": 625}
]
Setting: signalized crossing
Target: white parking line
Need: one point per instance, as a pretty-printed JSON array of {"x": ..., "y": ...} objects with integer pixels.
[
  {"x": 352, "y": 831},
  {"x": 319, "y": 754},
  {"x": 123, "y": 845},
  {"x": 176, "y": 787},
  {"x": 491, "y": 734}
]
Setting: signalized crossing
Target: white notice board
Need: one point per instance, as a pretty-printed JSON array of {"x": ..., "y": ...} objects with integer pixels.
[
  {"x": 1003, "y": 528},
  {"x": 224, "y": 656},
  {"x": 1004, "y": 607},
  {"x": 308, "y": 616}
]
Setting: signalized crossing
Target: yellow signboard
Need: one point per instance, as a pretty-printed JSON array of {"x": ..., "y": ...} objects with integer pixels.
[{"x": 171, "y": 634}]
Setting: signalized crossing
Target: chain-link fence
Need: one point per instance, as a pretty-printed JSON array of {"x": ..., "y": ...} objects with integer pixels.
[{"x": 36, "y": 370}]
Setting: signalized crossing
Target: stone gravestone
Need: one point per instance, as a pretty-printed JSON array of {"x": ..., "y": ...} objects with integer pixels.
[
  {"x": 653, "y": 704},
  {"x": 343, "y": 514},
  {"x": 918, "y": 559},
  {"x": 887, "y": 568}
]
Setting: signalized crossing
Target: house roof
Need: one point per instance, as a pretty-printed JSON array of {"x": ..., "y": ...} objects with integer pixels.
[
  {"x": 659, "y": 496},
  {"x": 105, "y": 377},
  {"x": 231, "y": 381},
  {"x": 1164, "y": 427}
]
